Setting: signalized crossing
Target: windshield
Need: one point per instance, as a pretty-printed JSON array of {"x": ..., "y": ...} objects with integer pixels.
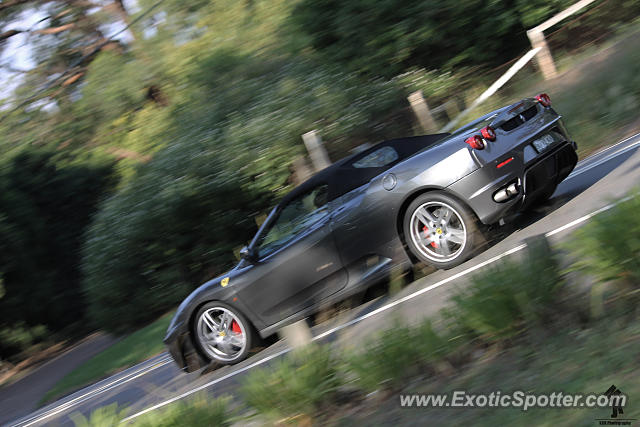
[{"x": 293, "y": 219}]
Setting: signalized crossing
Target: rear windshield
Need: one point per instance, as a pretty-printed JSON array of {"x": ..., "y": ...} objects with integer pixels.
[{"x": 377, "y": 159}]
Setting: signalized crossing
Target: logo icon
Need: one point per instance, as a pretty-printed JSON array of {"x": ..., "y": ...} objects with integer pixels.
[
  {"x": 616, "y": 408},
  {"x": 617, "y": 399},
  {"x": 224, "y": 282}
]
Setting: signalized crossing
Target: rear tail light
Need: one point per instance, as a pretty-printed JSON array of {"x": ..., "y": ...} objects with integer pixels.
[
  {"x": 488, "y": 133},
  {"x": 544, "y": 99},
  {"x": 475, "y": 142}
]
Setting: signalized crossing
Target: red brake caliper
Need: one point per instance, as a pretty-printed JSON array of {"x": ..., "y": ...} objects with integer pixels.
[
  {"x": 426, "y": 232},
  {"x": 235, "y": 327}
]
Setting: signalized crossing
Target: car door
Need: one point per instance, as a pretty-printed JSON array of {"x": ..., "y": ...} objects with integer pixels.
[{"x": 298, "y": 264}]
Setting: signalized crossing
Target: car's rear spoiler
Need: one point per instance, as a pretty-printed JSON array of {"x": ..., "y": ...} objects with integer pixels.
[{"x": 497, "y": 117}]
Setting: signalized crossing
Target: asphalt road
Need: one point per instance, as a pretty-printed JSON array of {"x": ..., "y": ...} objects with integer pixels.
[{"x": 594, "y": 185}]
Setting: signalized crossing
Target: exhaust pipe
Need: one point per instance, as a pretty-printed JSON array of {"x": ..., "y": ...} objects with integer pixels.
[{"x": 506, "y": 193}]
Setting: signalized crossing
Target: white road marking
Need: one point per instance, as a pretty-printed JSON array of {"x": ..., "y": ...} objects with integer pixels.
[
  {"x": 167, "y": 360},
  {"x": 587, "y": 167},
  {"x": 91, "y": 394},
  {"x": 209, "y": 384},
  {"x": 586, "y": 217}
]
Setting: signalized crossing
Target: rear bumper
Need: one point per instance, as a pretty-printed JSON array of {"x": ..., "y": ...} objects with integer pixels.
[
  {"x": 532, "y": 179},
  {"x": 549, "y": 171}
]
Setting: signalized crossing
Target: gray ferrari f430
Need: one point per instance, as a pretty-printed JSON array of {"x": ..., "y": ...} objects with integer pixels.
[{"x": 423, "y": 198}]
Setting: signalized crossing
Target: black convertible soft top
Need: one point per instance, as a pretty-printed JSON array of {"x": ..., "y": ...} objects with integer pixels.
[{"x": 342, "y": 177}]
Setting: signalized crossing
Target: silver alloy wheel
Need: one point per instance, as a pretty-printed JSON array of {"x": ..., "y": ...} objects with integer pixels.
[
  {"x": 438, "y": 231},
  {"x": 222, "y": 334}
]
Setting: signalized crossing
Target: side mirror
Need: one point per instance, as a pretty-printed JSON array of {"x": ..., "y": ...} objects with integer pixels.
[{"x": 249, "y": 254}]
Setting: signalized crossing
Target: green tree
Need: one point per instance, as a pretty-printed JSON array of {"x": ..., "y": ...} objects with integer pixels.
[{"x": 44, "y": 209}]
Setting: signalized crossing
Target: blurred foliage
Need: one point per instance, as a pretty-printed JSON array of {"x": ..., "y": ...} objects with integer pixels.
[
  {"x": 606, "y": 97},
  {"x": 298, "y": 386},
  {"x": 45, "y": 207},
  {"x": 388, "y": 37},
  {"x": 397, "y": 354},
  {"x": 201, "y": 410},
  {"x": 222, "y": 163},
  {"x": 509, "y": 299},
  {"x": 19, "y": 337},
  {"x": 172, "y": 227},
  {"x": 105, "y": 416},
  {"x": 615, "y": 264},
  {"x": 596, "y": 22}
]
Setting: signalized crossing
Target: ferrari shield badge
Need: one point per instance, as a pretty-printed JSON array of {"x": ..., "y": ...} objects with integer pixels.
[{"x": 224, "y": 282}]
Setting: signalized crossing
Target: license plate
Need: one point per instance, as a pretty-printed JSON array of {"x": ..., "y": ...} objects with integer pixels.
[{"x": 543, "y": 143}]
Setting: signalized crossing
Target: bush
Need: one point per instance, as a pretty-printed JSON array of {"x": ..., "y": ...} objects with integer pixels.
[
  {"x": 397, "y": 354},
  {"x": 608, "y": 249},
  {"x": 105, "y": 416},
  {"x": 508, "y": 299},
  {"x": 297, "y": 386},
  {"x": 200, "y": 411},
  {"x": 45, "y": 207},
  {"x": 163, "y": 234},
  {"x": 18, "y": 338}
]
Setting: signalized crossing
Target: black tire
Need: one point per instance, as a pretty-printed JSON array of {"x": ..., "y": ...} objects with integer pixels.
[
  {"x": 226, "y": 334},
  {"x": 429, "y": 237}
]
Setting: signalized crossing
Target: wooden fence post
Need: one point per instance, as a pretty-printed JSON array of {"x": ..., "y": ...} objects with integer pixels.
[
  {"x": 317, "y": 152},
  {"x": 422, "y": 112},
  {"x": 536, "y": 36},
  {"x": 301, "y": 170},
  {"x": 297, "y": 334},
  {"x": 544, "y": 58}
]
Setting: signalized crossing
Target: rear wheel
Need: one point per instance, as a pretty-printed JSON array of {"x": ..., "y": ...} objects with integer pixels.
[
  {"x": 222, "y": 333},
  {"x": 439, "y": 230}
]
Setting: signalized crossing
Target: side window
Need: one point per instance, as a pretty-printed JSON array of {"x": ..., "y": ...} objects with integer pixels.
[
  {"x": 294, "y": 218},
  {"x": 380, "y": 157}
]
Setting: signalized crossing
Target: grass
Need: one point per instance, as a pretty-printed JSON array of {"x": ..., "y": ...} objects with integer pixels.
[{"x": 139, "y": 346}]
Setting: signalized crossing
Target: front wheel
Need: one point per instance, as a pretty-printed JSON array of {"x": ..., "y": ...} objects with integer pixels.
[
  {"x": 222, "y": 333},
  {"x": 439, "y": 230}
]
